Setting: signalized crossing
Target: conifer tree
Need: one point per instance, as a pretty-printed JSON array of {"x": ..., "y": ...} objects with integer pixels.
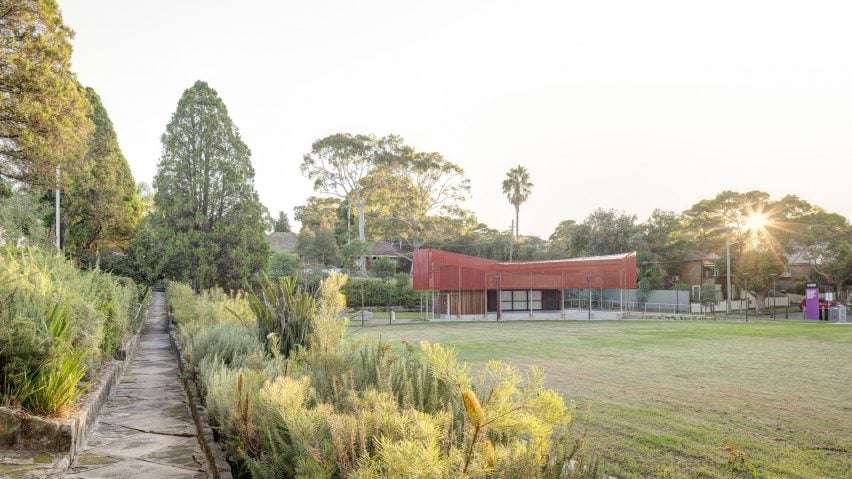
[
  {"x": 102, "y": 207},
  {"x": 43, "y": 111},
  {"x": 207, "y": 219}
]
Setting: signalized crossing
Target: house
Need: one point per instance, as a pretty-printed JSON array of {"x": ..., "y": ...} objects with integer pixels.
[
  {"x": 386, "y": 249},
  {"x": 798, "y": 266},
  {"x": 282, "y": 241},
  {"x": 468, "y": 286},
  {"x": 698, "y": 268}
]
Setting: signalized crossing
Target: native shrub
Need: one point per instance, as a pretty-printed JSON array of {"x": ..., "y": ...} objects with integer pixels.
[
  {"x": 335, "y": 408},
  {"x": 58, "y": 324}
]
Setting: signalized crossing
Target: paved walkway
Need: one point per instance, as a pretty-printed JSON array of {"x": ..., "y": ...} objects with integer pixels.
[{"x": 145, "y": 429}]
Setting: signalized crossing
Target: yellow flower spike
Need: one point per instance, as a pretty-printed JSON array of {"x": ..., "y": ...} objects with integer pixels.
[
  {"x": 474, "y": 411},
  {"x": 490, "y": 455}
]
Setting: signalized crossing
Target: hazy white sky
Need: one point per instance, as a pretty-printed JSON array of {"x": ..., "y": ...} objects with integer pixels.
[{"x": 619, "y": 104}]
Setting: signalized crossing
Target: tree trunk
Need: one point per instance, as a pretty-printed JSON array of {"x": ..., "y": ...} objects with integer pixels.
[
  {"x": 759, "y": 301},
  {"x": 517, "y": 213},
  {"x": 362, "y": 235}
]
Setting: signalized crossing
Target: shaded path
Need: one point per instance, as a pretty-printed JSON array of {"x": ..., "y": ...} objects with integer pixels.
[{"x": 145, "y": 429}]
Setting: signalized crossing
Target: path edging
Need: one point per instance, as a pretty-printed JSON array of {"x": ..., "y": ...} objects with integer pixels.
[
  {"x": 67, "y": 437},
  {"x": 212, "y": 450}
]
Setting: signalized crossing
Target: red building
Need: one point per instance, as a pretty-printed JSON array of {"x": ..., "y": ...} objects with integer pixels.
[{"x": 467, "y": 285}]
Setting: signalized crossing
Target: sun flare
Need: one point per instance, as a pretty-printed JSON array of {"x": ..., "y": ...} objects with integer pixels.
[{"x": 756, "y": 222}]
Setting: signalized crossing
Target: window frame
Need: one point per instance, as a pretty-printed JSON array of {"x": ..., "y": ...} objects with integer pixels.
[{"x": 513, "y": 300}]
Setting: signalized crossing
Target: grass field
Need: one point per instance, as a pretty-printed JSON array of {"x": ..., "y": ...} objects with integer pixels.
[{"x": 671, "y": 398}]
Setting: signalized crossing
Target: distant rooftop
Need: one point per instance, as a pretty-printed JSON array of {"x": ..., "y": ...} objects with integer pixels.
[{"x": 281, "y": 241}]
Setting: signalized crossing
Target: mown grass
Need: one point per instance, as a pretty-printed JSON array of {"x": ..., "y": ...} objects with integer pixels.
[{"x": 685, "y": 398}]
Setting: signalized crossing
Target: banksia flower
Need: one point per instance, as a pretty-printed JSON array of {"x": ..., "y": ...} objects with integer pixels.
[
  {"x": 473, "y": 409},
  {"x": 489, "y": 454}
]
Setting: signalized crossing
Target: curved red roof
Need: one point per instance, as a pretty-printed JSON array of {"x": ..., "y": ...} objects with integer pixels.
[{"x": 444, "y": 271}]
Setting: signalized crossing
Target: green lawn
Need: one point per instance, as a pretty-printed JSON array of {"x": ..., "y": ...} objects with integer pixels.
[{"x": 666, "y": 397}]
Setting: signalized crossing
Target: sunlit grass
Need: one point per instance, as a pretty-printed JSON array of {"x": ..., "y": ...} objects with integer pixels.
[{"x": 667, "y": 398}]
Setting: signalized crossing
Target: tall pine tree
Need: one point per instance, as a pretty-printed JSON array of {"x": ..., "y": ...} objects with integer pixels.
[
  {"x": 43, "y": 111},
  {"x": 102, "y": 207},
  {"x": 208, "y": 224}
]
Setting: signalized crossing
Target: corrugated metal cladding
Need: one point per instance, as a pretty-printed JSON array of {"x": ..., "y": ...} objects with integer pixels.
[{"x": 436, "y": 270}]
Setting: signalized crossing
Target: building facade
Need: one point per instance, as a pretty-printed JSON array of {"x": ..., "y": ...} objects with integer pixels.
[{"x": 465, "y": 286}]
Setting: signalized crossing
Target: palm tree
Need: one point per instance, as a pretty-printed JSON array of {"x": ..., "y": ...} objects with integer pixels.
[{"x": 517, "y": 188}]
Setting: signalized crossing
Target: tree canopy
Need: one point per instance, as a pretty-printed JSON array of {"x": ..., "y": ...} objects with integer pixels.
[
  {"x": 282, "y": 223},
  {"x": 338, "y": 164},
  {"x": 517, "y": 187},
  {"x": 413, "y": 190},
  {"x": 102, "y": 206},
  {"x": 207, "y": 220},
  {"x": 44, "y": 115}
]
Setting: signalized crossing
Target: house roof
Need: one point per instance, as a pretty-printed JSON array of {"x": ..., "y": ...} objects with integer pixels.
[
  {"x": 383, "y": 248},
  {"x": 798, "y": 257},
  {"x": 282, "y": 241},
  {"x": 702, "y": 256}
]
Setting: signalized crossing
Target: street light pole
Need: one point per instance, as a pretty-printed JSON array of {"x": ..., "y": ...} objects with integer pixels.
[
  {"x": 56, "y": 214},
  {"x": 772, "y": 292},
  {"x": 728, "y": 275},
  {"x": 589, "y": 282}
]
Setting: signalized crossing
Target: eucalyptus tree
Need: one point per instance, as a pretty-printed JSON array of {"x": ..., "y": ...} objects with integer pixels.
[
  {"x": 338, "y": 165},
  {"x": 517, "y": 187},
  {"x": 43, "y": 111},
  {"x": 207, "y": 213},
  {"x": 412, "y": 189}
]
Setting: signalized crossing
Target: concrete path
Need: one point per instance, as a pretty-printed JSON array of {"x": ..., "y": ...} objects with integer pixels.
[{"x": 145, "y": 429}]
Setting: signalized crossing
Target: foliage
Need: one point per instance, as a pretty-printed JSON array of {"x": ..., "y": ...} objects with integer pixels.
[
  {"x": 754, "y": 270},
  {"x": 318, "y": 247},
  {"x": 410, "y": 189},
  {"x": 101, "y": 206},
  {"x": 207, "y": 217},
  {"x": 283, "y": 263},
  {"x": 282, "y": 223},
  {"x": 383, "y": 267},
  {"x": 22, "y": 219},
  {"x": 366, "y": 410},
  {"x": 284, "y": 314},
  {"x": 607, "y": 232},
  {"x": 376, "y": 292},
  {"x": 517, "y": 187},
  {"x": 318, "y": 213},
  {"x": 57, "y": 324},
  {"x": 827, "y": 242},
  {"x": 43, "y": 112},
  {"x": 339, "y": 164},
  {"x": 351, "y": 252}
]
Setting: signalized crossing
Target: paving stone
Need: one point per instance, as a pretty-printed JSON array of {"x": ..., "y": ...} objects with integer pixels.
[{"x": 145, "y": 429}]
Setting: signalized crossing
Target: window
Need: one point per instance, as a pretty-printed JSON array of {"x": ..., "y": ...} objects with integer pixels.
[
  {"x": 520, "y": 300},
  {"x": 535, "y": 300},
  {"x": 506, "y": 300}
]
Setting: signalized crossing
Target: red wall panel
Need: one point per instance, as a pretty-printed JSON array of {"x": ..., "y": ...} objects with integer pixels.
[{"x": 438, "y": 270}]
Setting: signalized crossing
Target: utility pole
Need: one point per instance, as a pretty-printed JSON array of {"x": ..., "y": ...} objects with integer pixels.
[
  {"x": 56, "y": 214},
  {"x": 728, "y": 275},
  {"x": 589, "y": 282}
]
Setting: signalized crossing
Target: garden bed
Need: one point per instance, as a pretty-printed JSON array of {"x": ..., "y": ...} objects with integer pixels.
[{"x": 20, "y": 431}]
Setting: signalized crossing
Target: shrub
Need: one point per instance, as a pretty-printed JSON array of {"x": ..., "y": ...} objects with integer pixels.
[
  {"x": 365, "y": 409},
  {"x": 396, "y": 291},
  {"x": 283, "y": 263},
  {"x": 40, "y": 369}
]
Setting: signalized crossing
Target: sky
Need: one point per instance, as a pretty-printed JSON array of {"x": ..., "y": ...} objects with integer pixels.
[{"x": 615, "y": 104}]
